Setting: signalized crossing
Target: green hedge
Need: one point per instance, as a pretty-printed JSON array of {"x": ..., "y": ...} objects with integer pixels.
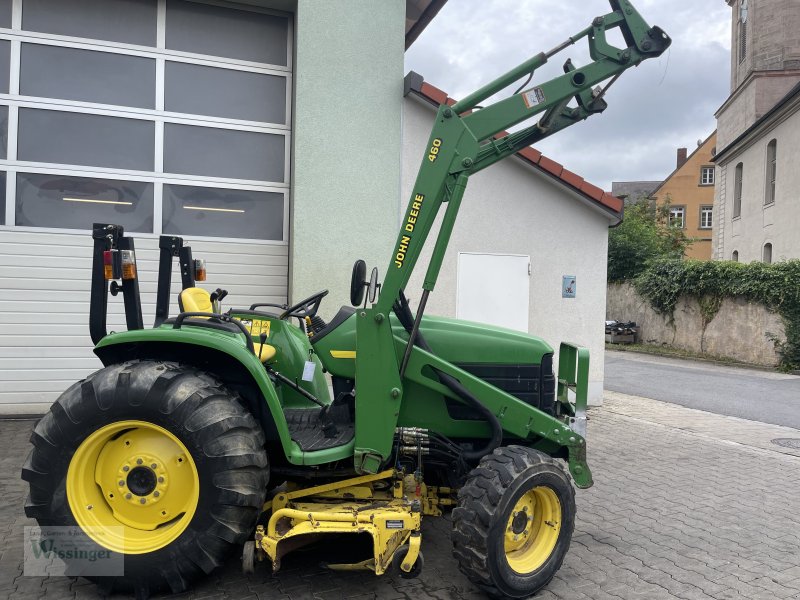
[{"x": 777, "y": 286}]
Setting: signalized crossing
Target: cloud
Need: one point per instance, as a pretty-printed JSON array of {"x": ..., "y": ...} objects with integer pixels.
[{"x": 655, "y": 108}]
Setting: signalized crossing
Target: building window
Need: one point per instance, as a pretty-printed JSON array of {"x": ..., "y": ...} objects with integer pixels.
[
  {"x": 677, "y": 216},
  {"x": 735, "y": 256},
  {"x": 76, "y": 202},
  {"x": 164, "y": 116},
  {"x": 772, "y": 156},
  {"x": 706, "y": 216},
  {"x": 707, "y": 176},
  {"x": 766, "y": 255},
  {"x": 742, "y": 30},
  {"x": 737, "y": 191}
]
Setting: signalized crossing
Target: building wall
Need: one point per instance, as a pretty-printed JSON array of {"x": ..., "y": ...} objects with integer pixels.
[
  {"x": 45, "y": 259},
  {"x": 770, "y": 68},
  {"x": 346, "y": 179},
  {"x": 777, "y": 223},
  {"x": 346, "y": 108},
  {"x": 773, "y": 38},
  {"x": 512, "y": 209},
  {"x": 751, "y": 102},
  {"x": 684, "y": 188}
]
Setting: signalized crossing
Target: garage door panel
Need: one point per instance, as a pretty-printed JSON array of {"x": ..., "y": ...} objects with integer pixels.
[
  {"x": 86, "y": 75},
  {"x": 214, "y": 152},
  {"x": 113, "y": 20},
  {"x": 226, "y": 93},
  {"x": 198, "y": 148},
  {"x": 237, "y": 34}
]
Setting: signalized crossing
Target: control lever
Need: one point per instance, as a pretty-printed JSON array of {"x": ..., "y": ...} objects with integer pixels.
[
  {"x": 216, "y": 298},
  {"x": 218, "y": 295},
  {"x": 262, "y": 337}
]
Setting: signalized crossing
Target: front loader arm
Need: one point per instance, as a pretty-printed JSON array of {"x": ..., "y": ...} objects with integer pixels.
[
  {"x": 463, "y": 142},
  {"x": 465, "y": 139}
]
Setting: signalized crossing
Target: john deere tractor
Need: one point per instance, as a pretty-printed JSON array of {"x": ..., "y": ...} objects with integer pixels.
[{"x": 265, "y": 428}]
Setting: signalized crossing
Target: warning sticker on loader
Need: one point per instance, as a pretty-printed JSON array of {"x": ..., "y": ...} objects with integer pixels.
[{"x": 533, "y": 97}]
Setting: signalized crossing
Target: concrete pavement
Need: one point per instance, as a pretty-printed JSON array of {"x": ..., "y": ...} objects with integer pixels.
[{"x": 686, "y": 505}]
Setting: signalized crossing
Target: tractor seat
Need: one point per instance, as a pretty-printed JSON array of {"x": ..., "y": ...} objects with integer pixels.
[
  {"x": 195, "y": 299},
  {"x": 264, "y": 352}
]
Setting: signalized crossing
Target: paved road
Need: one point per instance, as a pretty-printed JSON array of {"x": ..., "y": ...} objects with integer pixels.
[
  {"x": 686, "y": 506},
  {"x": 763, "y": 396}
]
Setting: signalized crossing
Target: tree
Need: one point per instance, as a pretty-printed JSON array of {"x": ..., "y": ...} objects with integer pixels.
[{"x": 645, "y": 235}]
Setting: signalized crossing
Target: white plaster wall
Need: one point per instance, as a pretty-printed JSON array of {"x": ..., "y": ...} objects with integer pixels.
[
  {"x": 759, "y": 224},
  {"x": 512, "y": 209},
  {"x": 346, "y": 155}
]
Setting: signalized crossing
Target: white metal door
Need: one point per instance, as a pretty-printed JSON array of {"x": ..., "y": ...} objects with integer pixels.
[{"x": 494, "y": 289}]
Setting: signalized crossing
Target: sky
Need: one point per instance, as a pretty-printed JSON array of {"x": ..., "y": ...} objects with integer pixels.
[{"x": 663, "y": 104}]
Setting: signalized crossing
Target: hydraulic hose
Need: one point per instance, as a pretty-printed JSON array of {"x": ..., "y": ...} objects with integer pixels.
[{"x": 403, "y": 312}]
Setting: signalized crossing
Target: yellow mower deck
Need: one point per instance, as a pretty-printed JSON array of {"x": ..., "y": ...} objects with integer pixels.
[{"x": 388, "y": 506}]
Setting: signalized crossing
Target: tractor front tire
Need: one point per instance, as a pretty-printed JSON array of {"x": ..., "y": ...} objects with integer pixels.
[
  {"x": 155, "y": 461},
  {"x": 514, "y": 521}
]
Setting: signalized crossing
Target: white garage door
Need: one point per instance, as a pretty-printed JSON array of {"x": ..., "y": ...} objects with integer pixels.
[{"x": 164, "y": 116}]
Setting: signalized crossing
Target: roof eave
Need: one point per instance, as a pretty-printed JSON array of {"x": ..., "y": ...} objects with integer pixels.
[{"x": 423, "y": 20}]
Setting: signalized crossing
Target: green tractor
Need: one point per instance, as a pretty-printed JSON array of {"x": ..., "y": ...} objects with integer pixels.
[{"x": 265, "y": 428}]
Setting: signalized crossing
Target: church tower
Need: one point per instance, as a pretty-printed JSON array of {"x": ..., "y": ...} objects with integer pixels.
[{"x": 765, "y": 62}]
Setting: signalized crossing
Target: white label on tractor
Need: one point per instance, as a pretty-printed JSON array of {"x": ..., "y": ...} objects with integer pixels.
[
  {"x": 533, "y": 97},
  {"x": 394, "y": 524},
  {"x": 308, "y": 370}
]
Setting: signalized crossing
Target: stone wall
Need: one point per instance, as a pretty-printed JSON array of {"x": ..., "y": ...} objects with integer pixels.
[{"x": 738, "y": 331}]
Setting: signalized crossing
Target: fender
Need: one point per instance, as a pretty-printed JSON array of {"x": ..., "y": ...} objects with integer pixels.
[{"x": 226, "y": 357}]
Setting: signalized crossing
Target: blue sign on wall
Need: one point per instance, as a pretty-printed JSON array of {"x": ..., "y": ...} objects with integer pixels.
[{"x": 568, "y": 286}]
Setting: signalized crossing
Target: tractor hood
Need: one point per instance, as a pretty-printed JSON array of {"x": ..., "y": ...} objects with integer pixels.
[{"x": 460, "y": 342}]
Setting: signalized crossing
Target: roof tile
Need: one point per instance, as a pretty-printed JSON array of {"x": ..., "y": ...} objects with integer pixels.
[
  {"x": 593, "y": 191},
  {"x": 434, "y": 93},
  {"x": 613, "y": 202},
  {"x": 548, "y": 164},
  {"x": 530, "y": 154},
  {"x": 571, "y": 178}
]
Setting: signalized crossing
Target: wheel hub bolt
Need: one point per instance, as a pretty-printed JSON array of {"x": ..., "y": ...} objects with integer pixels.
[
  {"x": 154, "y": 466},
  {"x": 160, "y": 480},
  {"x": 126, "y": 468},
  {"x": 139, "y": 461},
  {"x": 156, "y": 494},
  {"x": 142, "y": 501},
  {"x": 127, "y": 496},
  {"x": 121, "y": 483},
  {"x": 519, "y": 523}
]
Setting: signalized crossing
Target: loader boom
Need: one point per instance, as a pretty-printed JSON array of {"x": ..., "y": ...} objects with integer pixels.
[{"x": 465, "y": 139}]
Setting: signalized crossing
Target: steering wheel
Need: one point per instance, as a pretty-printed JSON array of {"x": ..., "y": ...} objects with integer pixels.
[{"x": 305, "y": 308}]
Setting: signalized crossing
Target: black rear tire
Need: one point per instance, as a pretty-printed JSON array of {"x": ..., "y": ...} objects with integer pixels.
[
  {"x": 222, "y": 437},
  {"x": 486, "y": 512}
]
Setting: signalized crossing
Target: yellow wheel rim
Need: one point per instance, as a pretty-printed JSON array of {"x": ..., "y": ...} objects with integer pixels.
[
  {"x": 532, "y": 530},
  {"x": 132, "y": 487}
]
